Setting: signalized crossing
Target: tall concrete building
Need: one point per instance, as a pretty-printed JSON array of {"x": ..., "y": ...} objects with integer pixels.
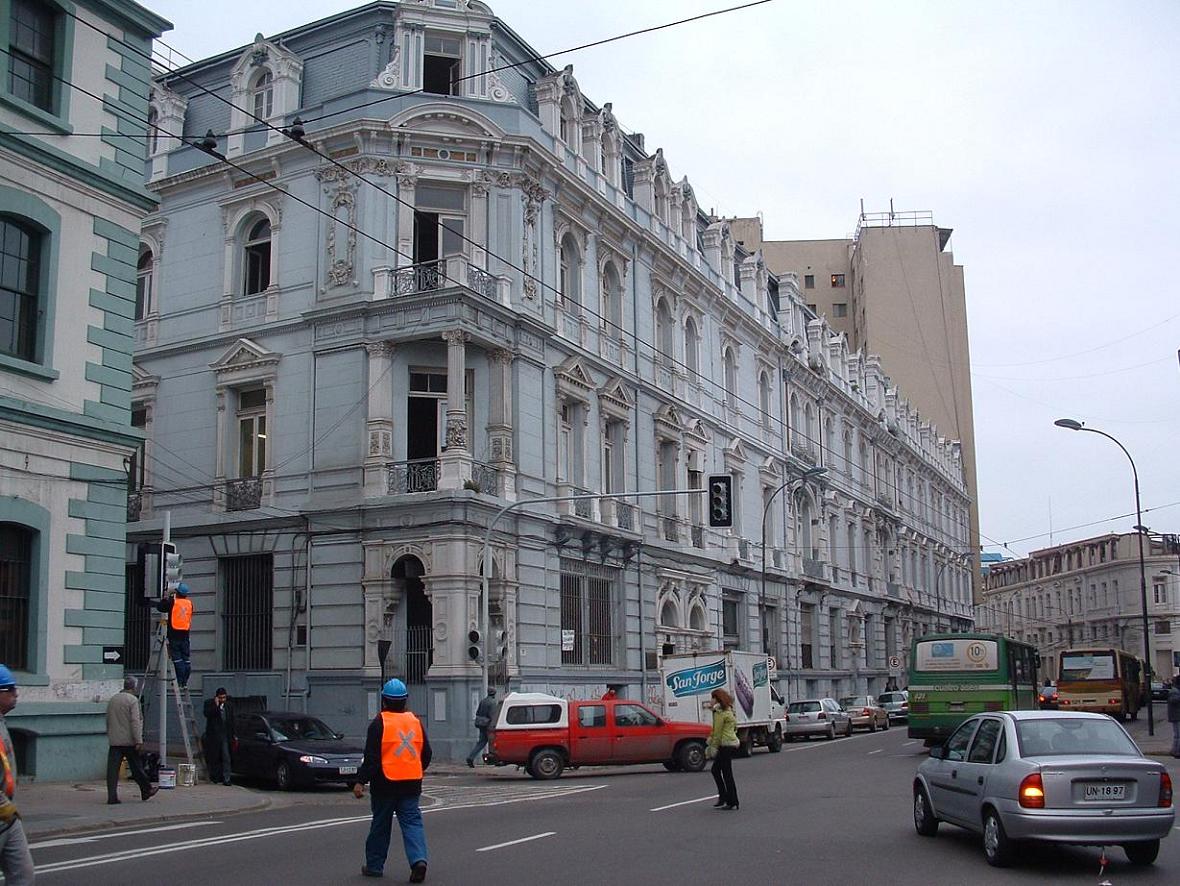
[
  {"x": 471, "y": 291},
  {"x": 893, "y": 289},
  {"x": 70, "y": 210}
]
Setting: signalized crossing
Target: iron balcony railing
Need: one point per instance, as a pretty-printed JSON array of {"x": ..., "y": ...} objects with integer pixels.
[
  {"x": 698, "y": 536},
  {"x": 444, "y": 273},
  {"x": 243, "y": 494},
  {"x": 417, "y": 475},
  {"x": 485, "y": 478},
  {"x": 134, "y": 506},
  {"x": 813, "y": 568}
]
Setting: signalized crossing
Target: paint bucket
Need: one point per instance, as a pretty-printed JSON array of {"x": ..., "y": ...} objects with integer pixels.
[
  {"x": 186, "y": 775},
  {"x": 167, "y": 778}
]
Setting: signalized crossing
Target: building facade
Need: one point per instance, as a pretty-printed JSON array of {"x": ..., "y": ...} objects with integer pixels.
[
  {"x": 1086, "y": 593},
  {"x": 894, "y": 290},
  {"x": 466, "y": 289},
  {"x": 70, "y": 210}
]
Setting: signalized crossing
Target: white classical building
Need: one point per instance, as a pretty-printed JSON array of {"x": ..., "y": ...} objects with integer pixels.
[{"x": 475, "y": 289}]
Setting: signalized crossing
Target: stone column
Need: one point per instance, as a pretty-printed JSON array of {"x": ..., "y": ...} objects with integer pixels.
[
  {"x": 407, "y": 183},
  {"x": 456, "y": 459},
  {"x": 380, "y": 417},
  {"x": 219, "y": 456},
  {"x": 479, "y": 221},
  {"x": 500, "y": 420}
]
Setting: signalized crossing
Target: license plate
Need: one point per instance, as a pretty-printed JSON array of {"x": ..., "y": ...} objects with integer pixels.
[
  {"x": 1099, "y": 792},
  {"x": 348, "y": 770}
]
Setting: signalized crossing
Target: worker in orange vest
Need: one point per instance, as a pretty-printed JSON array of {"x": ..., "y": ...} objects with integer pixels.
[
  {"x": 15, "y": 859},
  {"x": 180, "y": 619},
  {"x": 397, "y": 752}
]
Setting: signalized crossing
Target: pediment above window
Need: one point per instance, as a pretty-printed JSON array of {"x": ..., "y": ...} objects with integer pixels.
[
  {"x": 696, "y": 430},
  {"x": 669, "y": 424},
  {"x": 143, "y": 383},
  {"x": 573, "y": 380},
  {"x": 615, "y": 400},
  {"x": 735, "y": 456},
  {"x": 263, "y": 54},
  {"x": 245, "y": 361}
]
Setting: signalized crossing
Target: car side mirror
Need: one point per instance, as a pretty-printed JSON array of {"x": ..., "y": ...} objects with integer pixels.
[
  {"x": 337, "y": 735},
  {"x": 262, "y": 736},
  {"x": 938, "y": 752}
]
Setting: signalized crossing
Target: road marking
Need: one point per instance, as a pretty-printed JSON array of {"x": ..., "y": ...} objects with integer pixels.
[
  {"x": 516, "y": 842},
  {"x": 875, "y": 752},
  {"x": 684, "y": 803},
  {"x": 73, "y": 841}
]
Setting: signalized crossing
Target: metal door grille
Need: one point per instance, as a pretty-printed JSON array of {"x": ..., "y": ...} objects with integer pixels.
[
  {"x": 247, "y": 612},
  {"x": 588, "y": 594},
  {"x": 137, "y": 621},
  {"x": 418, "y": 652},
  {"x": 15, "y": 574}
]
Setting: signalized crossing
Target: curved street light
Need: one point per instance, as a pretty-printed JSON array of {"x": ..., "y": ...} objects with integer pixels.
[
  {"x": 1072, "y": 424},
  {"x": 809, "y": 474}
]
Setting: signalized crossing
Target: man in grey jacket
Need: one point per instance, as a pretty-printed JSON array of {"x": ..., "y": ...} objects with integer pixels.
[{"x": 125, "y": 735}]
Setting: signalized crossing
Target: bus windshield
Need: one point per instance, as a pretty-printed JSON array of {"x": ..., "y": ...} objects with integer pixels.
[{"x": 1087, "y": 666}]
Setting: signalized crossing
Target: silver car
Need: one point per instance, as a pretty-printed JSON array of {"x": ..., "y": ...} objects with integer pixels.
[
  {"x": 816, "y": 716},
  {"x": 1059, "y": 776},
  {"x": 896, "y": 704}
]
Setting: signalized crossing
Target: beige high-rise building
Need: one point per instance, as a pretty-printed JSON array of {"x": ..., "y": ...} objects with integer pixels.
[{"x": 893, "y": 289}]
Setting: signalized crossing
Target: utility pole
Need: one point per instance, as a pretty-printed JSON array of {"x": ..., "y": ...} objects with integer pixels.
[{"x": 162, "y": 676}]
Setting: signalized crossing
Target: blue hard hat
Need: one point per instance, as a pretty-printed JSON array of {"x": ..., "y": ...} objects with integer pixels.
[
  {"x": 394, "y": 688},
  {"x": 182, "y": 589},
  {"x": 7, "y": 681}
]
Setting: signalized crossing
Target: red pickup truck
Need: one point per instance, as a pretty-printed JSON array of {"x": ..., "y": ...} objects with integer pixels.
[{"x": 545, "y": 734}]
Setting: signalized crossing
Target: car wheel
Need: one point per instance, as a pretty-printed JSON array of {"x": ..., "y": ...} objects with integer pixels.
[
  {"x": 284, "y": 779},
  {"x": 848, "y": 729},
  {"x": 873, "y": 724},
  {"x": 1142, "y": 852},
  {"x": 924, "y": 821},
  {"x": 671, "y": 766},
  {"x": 691, "y": 756},
  {"x": 831, "y": 731},
  {"x": 996, "y": 845},
  {"x": 886, "y": 726},
  {"x": 546, "y": 765},
  {"x": 775, "y": 743}
]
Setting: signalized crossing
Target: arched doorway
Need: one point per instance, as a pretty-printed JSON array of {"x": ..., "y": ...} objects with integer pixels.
[{"x": 417, "y": 641}]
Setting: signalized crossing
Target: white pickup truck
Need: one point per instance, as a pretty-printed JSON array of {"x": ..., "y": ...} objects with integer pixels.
[{"x": 687, "y": 679}]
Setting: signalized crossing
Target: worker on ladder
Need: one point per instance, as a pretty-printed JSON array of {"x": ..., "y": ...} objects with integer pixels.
[{"x": 179, "y": 609}]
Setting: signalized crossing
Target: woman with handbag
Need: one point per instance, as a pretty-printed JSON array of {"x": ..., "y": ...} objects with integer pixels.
[{"x": 722, "y": 747}]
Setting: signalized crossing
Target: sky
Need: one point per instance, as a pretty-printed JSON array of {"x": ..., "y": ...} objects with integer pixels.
[{"x": 1047, "y": 135}]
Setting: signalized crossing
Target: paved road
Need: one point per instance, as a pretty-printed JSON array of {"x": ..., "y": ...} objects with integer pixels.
[{"x": 820, "y": 812}]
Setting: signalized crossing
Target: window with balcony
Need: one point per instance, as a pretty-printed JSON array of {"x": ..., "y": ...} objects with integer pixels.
[
  {"x": 440, "y": 218},
  {"x": 256, "y": 257},
  {"x": 442, "y": 57},
  {"x": 251, "y": 433},
  {"x": 571, "y": 273}
]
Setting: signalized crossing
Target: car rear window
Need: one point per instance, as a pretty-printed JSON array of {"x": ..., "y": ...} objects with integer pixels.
[
  {"x": 803, "y": 707},
  {"x": 533, "y": 713},
  {"x": 888, "y": 697},
  {"x": 855, "y": 701},
  {"x": 1072, "y": 736}
]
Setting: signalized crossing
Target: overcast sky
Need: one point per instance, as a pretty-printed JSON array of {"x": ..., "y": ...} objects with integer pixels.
[{"x": 1046, "y": 135}]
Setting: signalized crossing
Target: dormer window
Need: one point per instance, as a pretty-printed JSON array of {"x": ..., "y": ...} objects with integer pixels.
[
  {"x": 441, "y": 64},
  {"x": 263, "y": 95}
]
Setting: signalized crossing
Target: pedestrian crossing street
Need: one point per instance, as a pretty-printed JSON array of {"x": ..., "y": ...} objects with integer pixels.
[{"x": 438, "y": 798}]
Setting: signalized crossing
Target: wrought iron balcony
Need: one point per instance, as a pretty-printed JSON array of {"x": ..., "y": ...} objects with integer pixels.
[
  {"x": 698, "y": 537},
  {"x": 443, "y": 273},
  {"x": 424, "y": 277},
  {"x": 743, "y": 547},
  {"x": 583, "y": 507},
  {"x": 419, "y": 475},
  {"x": 134, "y": 506},
  {"x": 814, "y": 569},
  {"x": 671, "y": 529},
  {"x": 485, "y": 478},
  {"x": 243, "y": 494},
  {"x": 624, "y": 516},
  {"x": 892, "y": 589}
]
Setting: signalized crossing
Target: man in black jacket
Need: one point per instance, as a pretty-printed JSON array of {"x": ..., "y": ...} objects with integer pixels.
[{"x": 219, "y": 736}]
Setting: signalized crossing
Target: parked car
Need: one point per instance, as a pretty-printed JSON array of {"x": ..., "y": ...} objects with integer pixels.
[
  {"x": 1159, "y": 690},
  {"x": 816, "y": 716},
  {"x": 1047, "y": 697},
  {"x": 865, "y": 712},
  {"x": 896, "y": 704},
  {"x": 292, "y": 750},
  {"x": 1057, "y": 776}
]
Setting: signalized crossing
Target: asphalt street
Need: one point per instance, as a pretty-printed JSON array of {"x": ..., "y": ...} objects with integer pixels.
[{"x": 820, "y": 812}]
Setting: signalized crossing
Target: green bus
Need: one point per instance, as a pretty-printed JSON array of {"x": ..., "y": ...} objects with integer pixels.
[{"x": 953, "y": 676}]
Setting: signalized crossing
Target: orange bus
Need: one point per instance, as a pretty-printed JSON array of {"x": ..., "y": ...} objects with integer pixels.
[{"x": 1105, "y": 680}]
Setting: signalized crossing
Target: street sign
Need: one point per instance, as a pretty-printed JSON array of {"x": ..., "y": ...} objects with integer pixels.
[
  {"x": 895, "y": 664},
  {"x": 112, "y": 655},
  {"x": 567, "y": 641}
]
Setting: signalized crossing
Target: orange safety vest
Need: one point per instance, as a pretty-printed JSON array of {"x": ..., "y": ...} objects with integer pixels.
[
  {"x": 181, "y": 617},
  {"x": 401, "y": 746},
  {"x": 9, "y": 779}
]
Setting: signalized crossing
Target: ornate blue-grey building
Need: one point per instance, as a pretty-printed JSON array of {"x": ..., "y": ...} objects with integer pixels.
[{"x": 471, "y": 288}]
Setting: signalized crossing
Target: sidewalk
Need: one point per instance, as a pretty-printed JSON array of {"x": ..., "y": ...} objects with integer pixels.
[
  {"x": 1160, "y": 744},
  {"x": 53, "y": 808}
]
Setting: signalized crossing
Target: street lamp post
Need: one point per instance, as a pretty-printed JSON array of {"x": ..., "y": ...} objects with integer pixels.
[
  {"x": 1074, "y": 425},
  {"x": 809, "y": 474}
]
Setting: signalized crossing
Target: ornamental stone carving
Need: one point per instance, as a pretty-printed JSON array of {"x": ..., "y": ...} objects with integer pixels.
[
  {"x": 390, "y": 76},
  {"x": 341, "y": 256},
  {"x": 456, "y": 430},
  {"x": 368, "y": 166}
]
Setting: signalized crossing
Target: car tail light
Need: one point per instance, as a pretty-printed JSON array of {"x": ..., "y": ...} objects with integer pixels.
[
  {"x": 905, "y": 705},
  {"x": 866, "y": 713},
  {"x": 1040, "y": 698},
  {"x": 1165, "y": 790},
  {"x": 821, "y": 716},
  {"x": 1114, "y": 701},
  {"x": 1032, "y": 792},
  {"x": 1064, "y": 701}
]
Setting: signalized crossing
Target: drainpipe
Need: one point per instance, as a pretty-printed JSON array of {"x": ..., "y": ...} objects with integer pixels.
[{"x": 635, "y": 441}]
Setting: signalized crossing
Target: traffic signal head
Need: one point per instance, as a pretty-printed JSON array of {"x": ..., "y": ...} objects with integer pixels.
[
  {"x": 474, "y": 649},
  {"x": 720, "y": 500},
  {"x": 171, "y": 568}
]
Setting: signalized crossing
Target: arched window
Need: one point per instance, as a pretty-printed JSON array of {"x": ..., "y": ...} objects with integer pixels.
[
  {"x": 797, "y": 430},
  {"x": 143, "y": 284},
  {"x": 571, "y": 272},
  {"x": 731, "y": 377},
  {"x": 692, "y": 348},
  {"x": 262, "y": 94},
  {"x": 256, "y": 276},
  {"x": 809, "y": 435},
  {"x": 664, "y": 331},
  {"x": 16, "y": 577},
  {"x": 612, "y": 301},
  {"x": 20, "y": 288},
  {"x": 764, "y": 398},
  {"x": 803, "y": 527},
  {"x": 569, "y": 129},
  {"x": 848, "y": 451},
  {"x": 669, "y": 614},
  {"x": 697, "y": 620}
]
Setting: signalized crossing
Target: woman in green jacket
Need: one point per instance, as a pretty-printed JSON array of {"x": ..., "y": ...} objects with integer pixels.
[{"x": 722, "y": 747}]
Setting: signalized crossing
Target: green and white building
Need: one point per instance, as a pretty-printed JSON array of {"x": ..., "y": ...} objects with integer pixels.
[{"x": 73, "y": 106}]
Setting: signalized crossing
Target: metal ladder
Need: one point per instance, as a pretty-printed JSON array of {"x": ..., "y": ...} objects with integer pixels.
[{"x": 185, "y": 714}]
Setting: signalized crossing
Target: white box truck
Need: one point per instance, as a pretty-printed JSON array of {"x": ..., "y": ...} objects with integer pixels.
[{"x": 687, "y": 679}]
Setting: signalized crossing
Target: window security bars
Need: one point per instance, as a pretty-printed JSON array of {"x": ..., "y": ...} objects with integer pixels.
[
  {"x": 588, "y": 594},
  {"x": 16, "y": 546},
  {"x": 247, "y": 612},
  {"x": 137, "y": 622}
]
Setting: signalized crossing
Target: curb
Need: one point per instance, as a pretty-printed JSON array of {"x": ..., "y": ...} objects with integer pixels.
[{"x": 109, "y": 824}]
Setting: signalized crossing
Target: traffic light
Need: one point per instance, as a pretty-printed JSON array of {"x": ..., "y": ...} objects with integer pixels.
[
  {"x": 171, "y": 566},
  {"x": 720, "y": 501},
  {"x": 474, "y": 650},
  {"x": 502, "y": 645}
]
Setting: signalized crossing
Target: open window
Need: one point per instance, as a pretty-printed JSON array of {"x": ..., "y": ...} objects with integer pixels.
[
  {"x": 440, "y": 220},
  {"x": 442, "y": 59}
]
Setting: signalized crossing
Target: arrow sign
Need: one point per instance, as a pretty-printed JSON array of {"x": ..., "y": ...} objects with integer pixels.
[{"x": 112, "y": 655}]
